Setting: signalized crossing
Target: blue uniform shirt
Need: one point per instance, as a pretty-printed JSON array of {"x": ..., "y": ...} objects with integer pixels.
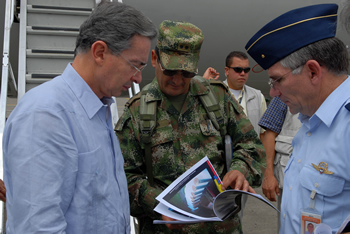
[
  {"x": 63, "y": 168},
  {"x": 325, "y": 137}
]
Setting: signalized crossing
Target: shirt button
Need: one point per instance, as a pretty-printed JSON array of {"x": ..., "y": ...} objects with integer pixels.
[
  {"x": 284, "y": 215},
  {"x": 291, "y": 187},
  {"x": 316, "y": 185},
  {"x": 309, "y": 133},
  {"x": 299, "y": 160}
]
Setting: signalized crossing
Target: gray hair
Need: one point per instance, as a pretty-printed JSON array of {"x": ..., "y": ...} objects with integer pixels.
[
  {"x": 114, "y": 23},
  {"x": 330, "y": 53}
]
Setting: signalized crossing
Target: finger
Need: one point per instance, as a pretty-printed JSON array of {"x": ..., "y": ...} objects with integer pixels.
[
  {"x": 264, "y": 189},
  {"x": 251, "y": 190},
  {"x": 266, "y": 193},
  {"x": 272, "y": 196},
  {"x": 234, "y": 179},
  {"x": 277, "y": 191},
  {"x": 2, "y": 198},
  {"x": 229, "y": 180},
  {"x": 239, "y": 184},
  {"x": 245, "y": 186}
]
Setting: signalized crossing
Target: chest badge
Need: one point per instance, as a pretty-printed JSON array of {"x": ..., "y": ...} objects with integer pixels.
[{"x": 322, "y": 168}]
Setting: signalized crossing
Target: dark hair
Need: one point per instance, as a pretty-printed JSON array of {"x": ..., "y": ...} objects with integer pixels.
[
  {"x": 237, "y": 54},
  {"x": 330, "y": 53},
  {"x": 114, "y": 23}
]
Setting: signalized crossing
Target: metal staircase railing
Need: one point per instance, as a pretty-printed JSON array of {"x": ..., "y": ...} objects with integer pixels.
[{"x": 5, "y": 82}]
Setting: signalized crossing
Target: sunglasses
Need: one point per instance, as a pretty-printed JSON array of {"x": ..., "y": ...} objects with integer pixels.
[
  {"x": 240, "y": 69},
  {"x": 185, "y": 74}
]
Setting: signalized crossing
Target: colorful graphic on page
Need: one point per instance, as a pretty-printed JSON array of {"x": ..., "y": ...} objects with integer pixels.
[{"x": 195, "y": 192}]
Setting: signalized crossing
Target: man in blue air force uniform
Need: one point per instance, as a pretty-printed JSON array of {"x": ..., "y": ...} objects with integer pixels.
[{"x": 307, "y": 67}]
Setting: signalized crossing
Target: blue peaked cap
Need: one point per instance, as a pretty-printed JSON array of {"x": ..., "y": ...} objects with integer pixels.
[{"x": 292, "y": 31}]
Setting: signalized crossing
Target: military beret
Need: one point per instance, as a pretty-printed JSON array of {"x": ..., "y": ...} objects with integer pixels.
[
  {"x": 292, "y": 31},
  {"x": 179, "y": 44}
]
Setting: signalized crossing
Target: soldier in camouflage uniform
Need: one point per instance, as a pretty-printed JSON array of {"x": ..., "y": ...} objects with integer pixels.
[{"x": 184, "y": 133}]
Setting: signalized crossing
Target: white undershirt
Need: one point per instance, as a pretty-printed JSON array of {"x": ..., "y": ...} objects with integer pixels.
[{"x": 236, "y": 93}]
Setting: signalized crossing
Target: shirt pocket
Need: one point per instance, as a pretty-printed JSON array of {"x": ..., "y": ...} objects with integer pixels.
[
  {"x": 284, "y": 145},
  {"x": 283, "y": 150},
  {"x": 162, "y": 141},
  {"x": 88, "y": 161},
  {"x": 329, "y": 194},
  {"x": 162, "y": 134},
  {"x": 163, "y": 153},
  {"x": 324, "y": 184}
]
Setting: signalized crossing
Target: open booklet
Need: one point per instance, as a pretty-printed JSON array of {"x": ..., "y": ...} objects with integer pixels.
[
  {"x": 345, "y": 227},
  {"x": 196, "y": 196}
]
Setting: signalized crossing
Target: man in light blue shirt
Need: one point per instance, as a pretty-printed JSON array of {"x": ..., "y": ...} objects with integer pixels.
[
  {"x": 63, "y": 168},
  {"x": 307, "y": 66}
]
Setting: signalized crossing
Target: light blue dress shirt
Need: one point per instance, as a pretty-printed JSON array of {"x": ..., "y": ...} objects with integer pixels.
[
  {"x": 63, "y": 168},
  {"x": 325, "y": 137}
]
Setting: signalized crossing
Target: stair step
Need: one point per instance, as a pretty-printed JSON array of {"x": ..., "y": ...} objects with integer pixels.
[
  {"x": 57, "y": 43},
  {"x": 55, "y": 19},
  {"x": 32, "y": 83},
  {"x": 36, "y": 51},
  {"x": 43, "y": 9},
  {"x": 51, "y": 30},
  {"x": 61, "y": 8},
  {"x": 47, "y": 64},
  {"x": 60, "y": 31},
  {"x": 49, "y": 54},
  {"x": 33, "y": 80},
  {"x": 75, "y": 3},
  {"x": 40, "y": 77}
]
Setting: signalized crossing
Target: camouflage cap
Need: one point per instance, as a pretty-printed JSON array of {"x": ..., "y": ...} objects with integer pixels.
[{"x": 179, "y": 44}]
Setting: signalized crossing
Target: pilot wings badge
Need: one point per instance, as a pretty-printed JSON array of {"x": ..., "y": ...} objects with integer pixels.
[{"x": 322, "y": 168}]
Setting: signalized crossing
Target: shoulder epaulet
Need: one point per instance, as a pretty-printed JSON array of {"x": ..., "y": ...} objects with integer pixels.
[
  {"x": 134, "y": 98},
  {"x": 148, "y": 119},
  {"x": 347, "y": 106},
  {"x": 211, "y": 105}
]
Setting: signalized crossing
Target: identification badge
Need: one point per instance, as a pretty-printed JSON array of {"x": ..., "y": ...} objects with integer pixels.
[
  {"x": 310, "y": 217},
  {"x": 309, "y": 220}
]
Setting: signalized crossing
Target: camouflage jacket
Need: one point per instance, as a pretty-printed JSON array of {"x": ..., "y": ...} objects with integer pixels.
[{"x": 179, "y": 141}]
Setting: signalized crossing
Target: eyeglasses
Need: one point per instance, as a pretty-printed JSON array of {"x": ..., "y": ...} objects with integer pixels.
[
  {"x": 272, "y": 82},
  {"x": 240, "y": 69},
  {"x": 185, "y": 74},
  {"x": 137, "y": 69}
]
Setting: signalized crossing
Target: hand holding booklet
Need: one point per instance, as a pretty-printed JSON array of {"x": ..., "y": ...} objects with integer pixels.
[{"x": 196, "y": 196}]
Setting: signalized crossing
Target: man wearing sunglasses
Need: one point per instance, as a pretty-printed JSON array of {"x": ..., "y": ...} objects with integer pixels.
[
  {"x": 308, "y": 70},
  {"x": 252, "y": 100},
  {"x": 183, "y": 133}
]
